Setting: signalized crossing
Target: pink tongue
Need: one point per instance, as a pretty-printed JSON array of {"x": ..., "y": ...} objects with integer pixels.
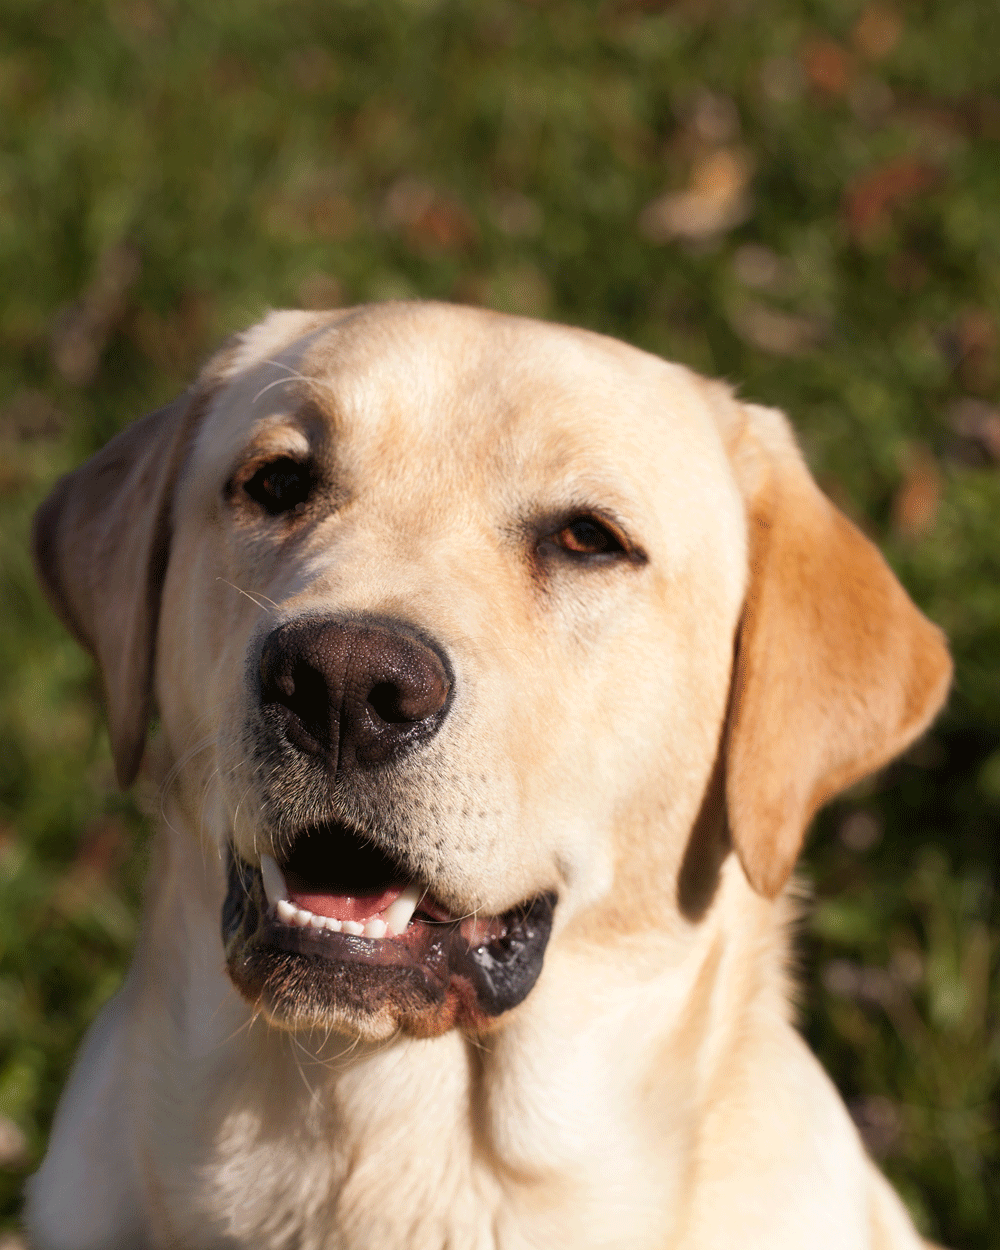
[{"x": 345, "y": 906}]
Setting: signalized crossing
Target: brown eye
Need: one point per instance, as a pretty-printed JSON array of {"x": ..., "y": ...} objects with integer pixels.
[
  {"x": 587, "y": 537},
  {"x": 280, "y": 485}
]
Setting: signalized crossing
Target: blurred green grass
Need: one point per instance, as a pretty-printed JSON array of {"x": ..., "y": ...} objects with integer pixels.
[{"x": 798, "y": 195}]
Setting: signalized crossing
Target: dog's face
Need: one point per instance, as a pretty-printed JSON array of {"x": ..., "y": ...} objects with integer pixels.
[
  {"x": 436, "y": 591},
  {"x": 447, "y": 605}
]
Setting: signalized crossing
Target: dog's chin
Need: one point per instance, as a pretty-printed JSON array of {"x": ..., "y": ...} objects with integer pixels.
[{"x": 340, "y": 937}]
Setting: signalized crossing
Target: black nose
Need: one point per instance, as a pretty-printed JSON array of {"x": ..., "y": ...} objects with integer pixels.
[{"x": 354, "y": 692}]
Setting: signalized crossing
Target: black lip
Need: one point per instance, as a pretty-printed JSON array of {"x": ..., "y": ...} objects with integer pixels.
[{"x": 428, "y": 979}]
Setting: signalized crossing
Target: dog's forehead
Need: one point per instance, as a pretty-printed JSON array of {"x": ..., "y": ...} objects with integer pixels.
[
  {"x": 430, "y": 397},
  {"x": 471, "y": 377}
]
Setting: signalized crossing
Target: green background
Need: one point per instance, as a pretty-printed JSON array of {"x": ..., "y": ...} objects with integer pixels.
[{"x": 802, "y": 197}]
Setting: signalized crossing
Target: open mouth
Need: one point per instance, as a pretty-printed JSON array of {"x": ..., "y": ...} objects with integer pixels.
[
  {"x": 338, "y": 931},
  {"x": 340, "y": 884}
]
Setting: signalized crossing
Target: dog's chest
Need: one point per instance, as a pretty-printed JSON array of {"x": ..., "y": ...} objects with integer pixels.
[
  {"x": 323, "y": 1196},
  {"x": 326, "y": 1151},
  {"x": 393, "y": 1152}
]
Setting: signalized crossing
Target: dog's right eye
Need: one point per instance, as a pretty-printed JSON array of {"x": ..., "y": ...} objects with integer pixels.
[{"x": 281, "y": 485}]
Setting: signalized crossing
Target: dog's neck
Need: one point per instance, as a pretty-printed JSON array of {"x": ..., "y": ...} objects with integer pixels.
[{"x": 501, "y": 1140}]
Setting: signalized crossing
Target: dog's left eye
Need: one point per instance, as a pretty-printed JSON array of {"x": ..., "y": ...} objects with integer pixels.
[
  {"x": 280, "y": 485},
  {"x": 586, "y": 536}
]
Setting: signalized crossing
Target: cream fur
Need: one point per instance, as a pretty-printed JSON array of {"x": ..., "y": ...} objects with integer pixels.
[{"x": 651, "y": 1093}]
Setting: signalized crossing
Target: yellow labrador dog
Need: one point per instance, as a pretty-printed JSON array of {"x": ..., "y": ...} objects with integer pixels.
[{"x": 499, "y": 668}]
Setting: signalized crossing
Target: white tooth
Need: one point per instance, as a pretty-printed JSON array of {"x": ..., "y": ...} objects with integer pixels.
[
  {"x": 397, "y": 915},
  {"x": 274, "y": 882},
  {"x": 317, "y": 922},
  {"x": 352, "y": 926},
  {"x": 286, "y": 911},
  {"x": 301, "y": 917},
  {"x": 332, "y": 924},
  {"x": 376, "y": 928}
]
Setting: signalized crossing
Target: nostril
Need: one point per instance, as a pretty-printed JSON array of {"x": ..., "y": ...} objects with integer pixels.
[
  {"x": 386, "y": 700},
  {"x": 308, "y": 695},
  {"x": 290, "y": 683}
]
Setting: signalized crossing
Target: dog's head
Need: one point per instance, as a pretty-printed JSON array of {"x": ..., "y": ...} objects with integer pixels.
[{"x": 458, "y": 625}]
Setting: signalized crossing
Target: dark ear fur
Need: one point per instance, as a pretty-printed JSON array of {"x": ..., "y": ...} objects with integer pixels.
[
  {"x": 101, "y": 544},
  {"x": 836, "y": 670}
]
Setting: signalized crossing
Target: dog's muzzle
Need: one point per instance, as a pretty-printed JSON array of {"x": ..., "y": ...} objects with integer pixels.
[{"x": 342, "y": 931}]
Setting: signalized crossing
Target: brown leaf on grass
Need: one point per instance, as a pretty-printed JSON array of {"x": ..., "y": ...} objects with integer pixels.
[
  {"x": 828, "y": 66},
  {"x": 762, "y": 268},
  {"x": 781, "y": 79},
  {"x": 871, "y": 198},
  {"x": 976, "y": 340},
  {"x": 713, "y": 119},
  {"x": 715, "y": 200},
  {"x": 969, "y": 344},
  {"x": 977, "y": 425},
  {"x": 81, "y": 332},
  {"x": 89, "y": 887},
  {"x": 13, "y": 1147},
  {"x": 916, "y": 502},
  {"x": 876, "y": 32},
  {"x": 773, "y": 331},
  {"x": 103, "y": 848},
  {"x": 431, "y": 221},
  {"x": 317, "y": 207},
  {"x": 516, "y": 215},
  {"x": 860, "y": 830}
]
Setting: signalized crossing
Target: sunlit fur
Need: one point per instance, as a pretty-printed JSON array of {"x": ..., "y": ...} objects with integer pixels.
[{"x": 652, "y": 1091}]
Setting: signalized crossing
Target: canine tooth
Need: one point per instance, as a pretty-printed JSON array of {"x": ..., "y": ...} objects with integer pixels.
[
  {"x": 376, "y": 928},
  {"x": 397, "y": 915},
  {"x": 275, "y": 889},
  {"x": 352, "y": 926},
  {"x": 286, "y": 911}
]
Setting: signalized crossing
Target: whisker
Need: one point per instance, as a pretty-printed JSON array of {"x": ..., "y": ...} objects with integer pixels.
[
  {"x": 249, "y": 596},
  {"x": 246, "y": 1025},
  {"x": 277, "y": 382},
  {"x": 293, "y": 375},
  {"x": 188, "y": 755}
]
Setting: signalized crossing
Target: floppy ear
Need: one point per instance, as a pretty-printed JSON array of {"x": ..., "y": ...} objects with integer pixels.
[
  {"x": 836, "y": 671},
  {"x": 101, "y": 544}
]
